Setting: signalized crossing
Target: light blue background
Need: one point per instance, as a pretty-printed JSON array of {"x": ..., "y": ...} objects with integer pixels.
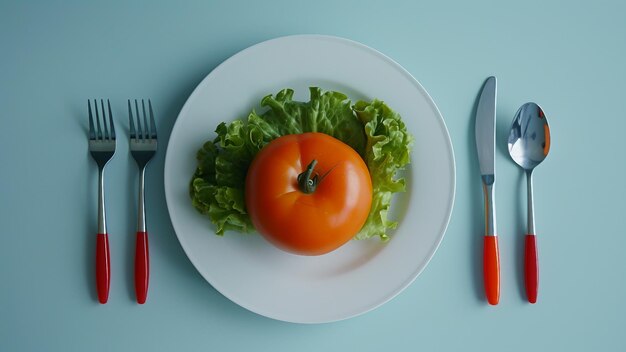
[{"x": 570, "y": 57}]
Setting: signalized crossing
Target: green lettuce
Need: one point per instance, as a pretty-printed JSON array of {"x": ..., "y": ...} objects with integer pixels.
[
  {"x": 372, "y": 129},
  {"x": 387, "y": 152}
]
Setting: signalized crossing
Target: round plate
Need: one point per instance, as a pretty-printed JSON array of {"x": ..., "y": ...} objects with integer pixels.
[{"x": 359, "y": 276}]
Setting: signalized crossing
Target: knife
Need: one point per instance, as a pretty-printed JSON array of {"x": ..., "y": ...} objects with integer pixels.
[{"x": 486, "y": 147}]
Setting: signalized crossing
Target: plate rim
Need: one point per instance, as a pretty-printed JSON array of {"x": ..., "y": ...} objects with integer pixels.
[{"x": 440, "y": 120}]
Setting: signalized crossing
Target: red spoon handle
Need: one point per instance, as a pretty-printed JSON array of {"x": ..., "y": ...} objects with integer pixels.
[
  {"x": 531, "y": 268},
  {"x": 103, "y": 267},
  {"x": 142, "y": 267},
  {"x": 491, "y": 269}
]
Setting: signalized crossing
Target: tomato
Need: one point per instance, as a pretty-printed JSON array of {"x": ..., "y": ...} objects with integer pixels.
[{"x": 308, "y": 193}]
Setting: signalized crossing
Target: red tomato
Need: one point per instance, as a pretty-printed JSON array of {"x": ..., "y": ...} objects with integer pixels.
[{"x": 308, "y": 193}]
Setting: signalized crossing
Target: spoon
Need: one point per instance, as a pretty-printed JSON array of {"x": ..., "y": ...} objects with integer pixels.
[{"x": 529, "y": 144}]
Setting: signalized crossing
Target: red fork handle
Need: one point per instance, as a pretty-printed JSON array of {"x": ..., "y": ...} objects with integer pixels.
[
  {"x": 103, "y": 267},
  {"x": 531, "y": 268},
  {"x": 491, "y": 269},
  {"x": 142, "y": 267}
]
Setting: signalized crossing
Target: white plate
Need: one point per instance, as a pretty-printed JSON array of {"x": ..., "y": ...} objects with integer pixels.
[{"x": 359, "y": 276}]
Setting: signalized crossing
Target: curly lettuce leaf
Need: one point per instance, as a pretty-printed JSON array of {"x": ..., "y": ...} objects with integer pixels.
[
  {"x": 223, "y": 202},
  {"x": 372, "y": 129},
  {"x": 387, "y": 152}
]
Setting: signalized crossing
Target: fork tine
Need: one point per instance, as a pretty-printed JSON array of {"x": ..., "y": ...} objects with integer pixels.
[
  {"x": 95, "y": 105},
  {"x": 145, "y": 120},
  {"x": 104, "y": 120},
  {"x": 92, "y": 132},
  {"x": 111, "y": 120},
  {"x": 152, "y": 123},
  {"x": 139, "y": 129},
  {"x": 133, "y": 134}
]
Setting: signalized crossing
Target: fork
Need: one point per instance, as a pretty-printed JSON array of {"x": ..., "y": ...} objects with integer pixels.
[
  {"x": 143, "y": 146},
  {"x": 102, "y": 148}
]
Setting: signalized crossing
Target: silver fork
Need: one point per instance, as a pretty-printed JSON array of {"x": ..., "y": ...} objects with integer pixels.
[
  {"x": 143, "y": 146},
  {"x": 102, "y": 148}
]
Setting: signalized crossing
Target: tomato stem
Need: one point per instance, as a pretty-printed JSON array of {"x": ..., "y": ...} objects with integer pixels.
[{"x": 307, "y": 183}]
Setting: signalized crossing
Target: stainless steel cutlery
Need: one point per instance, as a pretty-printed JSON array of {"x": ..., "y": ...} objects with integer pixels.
[
  {"x": 143, "y": 146},
  {"x": 529, "y": 144},
  {"x": 486, "y": 146},
  {"x": 102, "y": 148}
]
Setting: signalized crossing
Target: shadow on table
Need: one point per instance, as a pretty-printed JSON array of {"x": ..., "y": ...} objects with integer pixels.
[
  {"x": 90, "y": 223},
  {"x": 476, "y": 208},
  {"x": 520, "y": 231}
]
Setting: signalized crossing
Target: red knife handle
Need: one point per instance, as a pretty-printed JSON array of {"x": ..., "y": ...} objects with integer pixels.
[
  {"x": 531, "y": 268},
  {"x": 142, "y": 267},
  {"x": 103, "y": 267},
  {"x": 491, "y": 269}
]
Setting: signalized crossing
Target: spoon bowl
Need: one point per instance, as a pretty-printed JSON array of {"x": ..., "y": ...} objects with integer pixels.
[{"x": 529, "y": 139}]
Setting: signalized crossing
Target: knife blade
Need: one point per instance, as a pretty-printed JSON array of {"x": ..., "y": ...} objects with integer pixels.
[
  {"x": 485, "y": 127},
  {"x": 485, "y": 131}
]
